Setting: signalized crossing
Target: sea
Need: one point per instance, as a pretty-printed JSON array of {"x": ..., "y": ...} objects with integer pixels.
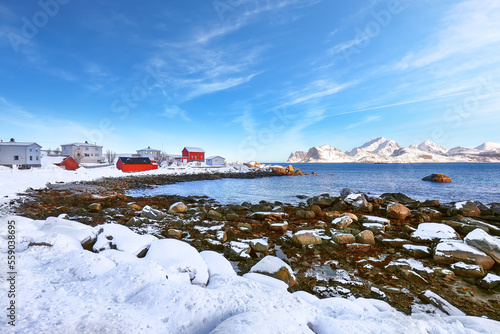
[{"x": 476, "y": 182}]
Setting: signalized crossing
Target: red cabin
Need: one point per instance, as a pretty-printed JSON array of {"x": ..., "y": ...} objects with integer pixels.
[
  {"x": 193, "y": 154},
  {"x": 135, "y": 164},
  {"x": 69, "y": 164}
]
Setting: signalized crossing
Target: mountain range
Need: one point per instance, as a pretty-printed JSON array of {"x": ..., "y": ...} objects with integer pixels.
[{"x": 381, "y": 150}]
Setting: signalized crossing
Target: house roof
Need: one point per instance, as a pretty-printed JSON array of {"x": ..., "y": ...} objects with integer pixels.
[
  {"x": 81, "y": 144},
  {"x": 135, "y": 160},
  {"x": 194, "y": 149},
  {"x": 214, "y": 156},
  {"x": 149, "y": 149},
  {"x": 15, "y": 143}
]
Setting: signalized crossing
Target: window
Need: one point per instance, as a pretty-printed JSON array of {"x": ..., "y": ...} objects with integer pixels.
[
  {"x": 86, "y": 154},
  {"x": 97, "y": 149},
  {"x": 37, "y": 158},
  {"x": 86, "y": 148},
  {"x": 97, "y": 154},
  {"x": 31, "y": 150},
  {"x": 36, "y": 150},
  {"x": 31, "y": 158},
  {"x": 16, "y": 157}
]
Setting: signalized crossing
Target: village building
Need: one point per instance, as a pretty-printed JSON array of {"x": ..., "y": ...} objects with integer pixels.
[
  {"x": 69, "y": 164},
  {"x": 135, "y": 164},
  {"x": 83, "y": 152},
  {"x": 20, "y": 154},
  {"x": 216, "y": 161},
  {"x": 149, "y": 152},
  {"x": 190, "y": 154}
]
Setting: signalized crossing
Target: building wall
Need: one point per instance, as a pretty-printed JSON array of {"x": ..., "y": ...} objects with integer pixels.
[
  {"x": 28, "y": 156},
  {"x": 215, "y": 161},
  {"x": 89, "y": 153},
  {"x": 151, "y": 154}
]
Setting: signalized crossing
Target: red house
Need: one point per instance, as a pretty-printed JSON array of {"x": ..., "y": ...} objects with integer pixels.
[
  {"x": 69, "y": 164},
  {"x": 135, "y": 164},
  {"x": 193, "y": 154}
]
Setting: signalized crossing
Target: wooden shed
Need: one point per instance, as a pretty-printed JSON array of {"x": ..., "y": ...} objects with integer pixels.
[
  {"x": 135, "y": 164},
  {"x": 69, "y": 164},
  {"x": 216, "y": 161}
]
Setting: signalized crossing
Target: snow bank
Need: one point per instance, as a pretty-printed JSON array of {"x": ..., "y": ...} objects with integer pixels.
[
  {"x": 71, "y": 290},
  {"x": 116, "y": 236},
  {"x": 428, "y": 232}
]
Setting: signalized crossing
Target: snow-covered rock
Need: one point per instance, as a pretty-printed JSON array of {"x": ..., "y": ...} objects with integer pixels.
[
  {"x": 217, "y": 264},
  {"x": 116, "y": 236},
  {"x": 485, "y": 242},
  {"x": 448, "y": 252},
  {"x": 275, "y": 267},
  {"x": 431, "y": 232},
  {"x": 181, "y": 261},
  {"x": 83, "y": 233}
]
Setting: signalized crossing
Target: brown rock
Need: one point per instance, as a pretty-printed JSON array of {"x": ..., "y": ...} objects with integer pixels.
[
  {"x": 279, "y": 227},
  {"x": 365, "y": 237},
  {"x": 174, "y": 233},
  {"x": 214, "y": 215},
  {"x": 95, "y": 207},
  {"x": 468, "y": 270},
  {"x": 440, "y": 178},
  {"x": 397, "y": 211},
  {"x": 304, "y": 238},
  {"x": 305, "y": 214},
  {"x": 343, "y": 238},
  {"x": 448, "y": 252},
  {"x": 178, "y": 207}
]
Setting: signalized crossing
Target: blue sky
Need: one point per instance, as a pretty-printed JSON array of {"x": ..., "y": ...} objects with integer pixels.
[{"x": 249, "y": 79}]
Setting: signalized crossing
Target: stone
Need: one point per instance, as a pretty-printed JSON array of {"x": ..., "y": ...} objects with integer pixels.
[
  {"x": 468, "y": 270},
  {"x": 417, "y": 251},
  {"x": 466, "y": 209},
  {"x": 395, "y": 243},
  {"x": 448, "y": 252},
  {"x": 341, "y": 222},
  {"x": 261, "y": 215},
  {"x": 397, "y": 211},
  {"x": 258, "y": 208},
  {"x": 232, "y": 217},
  {"x": 352, "y": 216},
  {"x": 440, "y": 178},
  {"x": 347, "y": 191},
  {"x": 279, "y": 227},
  {"x": 489, "y": 282},
  {"x": 305, "y": 214},
  {"x": 427, "y": 233},
  {"x": 484, "y": 242},
  {"x": 374, "y": 219},
  {"x": 305, "y": 238},
  {"x": 244, "y": 227},
  {"x": 430, "y": 297},
  {"x": 316, "y": 209},
  {"x": 362, "y": 205},
  {"x": 174, "y": 233},
  {"x": 495, "y": 207},
  {"x": 178, "y": 207},
  {"x": 95, "y": 207},
  {"x": 137, "y": 221},
  {"x": 355, "y": 247},
  {"x": 397, "y": 197},
  {"x": 413, "y": 277},
  {"x": 134, "y": 206},
  {"x": 259, "y": 245},
  {"x": 343, "y": 238},
  {"x": 214, "y": 215},
  {"x": 433, "y": 203},
  {"x": 236, "y": 250},
  {"x": 275, "y": 267},
  {"x": 221, "y": 236},
  {"x": 365, "y": 237},
  {"x": 150, "y": 213}
]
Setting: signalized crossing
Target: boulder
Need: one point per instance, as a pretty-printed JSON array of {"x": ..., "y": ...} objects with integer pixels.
[
  {"x": 352, "y": 216},
  {"x": 214, "y": 215},
  {"x": 174, "y": 233},
  {"x": 489, "y": 282},
  {"x": 343, "y": 238},
  {"x": 397, "y": 211},
  {"x": 279, "y": 227},
  {"x": 341, "y": 222},
  {"x": 95, "y": 207},
  {"x": 468, "y": 270},
  {"x": 275, "y": 267},
  {"x": 430, "y": 232},
  {"x": 484, "y": 242},
  {"x": 440, "y": 178},
  {"x": 134, "y": 206},
  {"x": 448, "y": 252},
  {"x": 347, "y": 191},
  {"x": 433, "y": 203},
  {"x": 178, "y": 207},
  {"x": 150, "y": 213},
  {"x": 261, "y": 215},
  {"x": 305, "y": 238},
  {"x": 417, "y": 251},
  {"x": 395, "y": 243},
  {"x": 316, "y": 209},
  {"x": 236, "y": 250},
  {"x": 232, "y": 217},
  {"x": 495, "y": 207},
  {"x": 365, "y": 237},
  {"x": 362, "y": 205},
  {"x": 397, "y": 197},
  {"x": 466, "y": 209},
  {"x": 374, "y": 219},
  {"x": 305, "y": 214},
  {"x": 259, "y": 245}
]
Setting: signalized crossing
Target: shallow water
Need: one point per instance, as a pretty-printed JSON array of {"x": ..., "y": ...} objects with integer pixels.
[{"x": 478, "y": 182}]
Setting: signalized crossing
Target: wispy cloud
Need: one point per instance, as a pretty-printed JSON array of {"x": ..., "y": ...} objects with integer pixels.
[
  {"x": 175, "y": 112},
  {"x": 313, "y": 91},
  {"x": 469, "y": 27},
  {"x": 366, "y": 120}
]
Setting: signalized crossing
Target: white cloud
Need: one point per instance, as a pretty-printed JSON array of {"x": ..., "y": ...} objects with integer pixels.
[
  {"x": 364, "y": 121},
  {"x": 468, "y": 27},
  {"x": 175, "y": 112}
]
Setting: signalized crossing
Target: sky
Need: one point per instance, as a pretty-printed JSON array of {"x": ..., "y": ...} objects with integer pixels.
[{"x": 249, "y": 79}]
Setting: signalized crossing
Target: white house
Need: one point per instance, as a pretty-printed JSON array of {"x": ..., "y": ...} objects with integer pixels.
[
  {"x": 83, "y": 152},
  {"x": 215, "y": 161},
  {"x": 149, "y": 152},
  {"x": 24, "y": 155}
]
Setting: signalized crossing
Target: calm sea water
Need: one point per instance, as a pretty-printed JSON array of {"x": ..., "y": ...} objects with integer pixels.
[{"x": 477, "y": 182}]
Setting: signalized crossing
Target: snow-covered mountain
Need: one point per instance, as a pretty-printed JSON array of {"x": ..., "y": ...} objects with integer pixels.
[{"x": 382, "y": 150}]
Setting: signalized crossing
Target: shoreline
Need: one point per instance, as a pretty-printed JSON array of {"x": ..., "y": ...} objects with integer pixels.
[{"x": 336, "y": 224}]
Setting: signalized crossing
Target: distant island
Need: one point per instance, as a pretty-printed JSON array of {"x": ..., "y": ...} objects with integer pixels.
[{"x": 382, "y": 150}]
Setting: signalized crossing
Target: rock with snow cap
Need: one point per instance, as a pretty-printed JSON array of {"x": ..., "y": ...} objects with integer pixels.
[
  {"x": 448, "y": 252},
  {"x": 484, "y": 242},
  {"x": 275, "y": 267}
]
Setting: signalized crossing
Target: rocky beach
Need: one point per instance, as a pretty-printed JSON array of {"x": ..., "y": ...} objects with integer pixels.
[{"x": 393, "y": 248}]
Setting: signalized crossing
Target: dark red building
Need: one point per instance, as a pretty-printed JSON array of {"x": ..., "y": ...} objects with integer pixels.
[
  {"x": 69, "y": 164},
  {"x": 135, "y": 164},
  {"x": 193, "y": 154}
]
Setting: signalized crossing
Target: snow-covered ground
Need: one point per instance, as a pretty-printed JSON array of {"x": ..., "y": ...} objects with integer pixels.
[
  {"x": 13, "y": 181},
  {"x": 62, "y": 288}
]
